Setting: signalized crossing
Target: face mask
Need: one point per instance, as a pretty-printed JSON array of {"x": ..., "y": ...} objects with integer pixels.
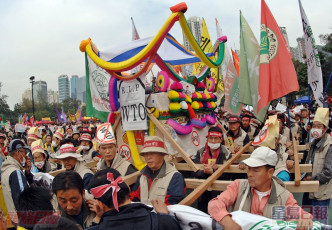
[
  {"x": 54, "y": 144},
  {"x": 214, "y": 146},
  {"x": 39, "y": 164},
  {"x": 23, "y": 161},
  {"x": 316, "y": 133},
  {"x": 85, "y": 147}
]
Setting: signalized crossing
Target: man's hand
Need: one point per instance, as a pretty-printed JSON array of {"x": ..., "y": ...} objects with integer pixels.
[
  {"x": 304, "y": 224},
  {"x": 229, "y": 224},
  {"x": 96, "y": 159},
  {"x": 96, "y": 208},
  {"x": 159, "y": 206},
  {"x": 290, "y": 152},
  {"x": 237, "y": 148},
  {"x": 242, "y": 166},
  {"x": 208, "y": 169},
  {"x": 290, "y": 164},
  {"x": 28, "y": 164},
  {"x": 307, "y": 178}
]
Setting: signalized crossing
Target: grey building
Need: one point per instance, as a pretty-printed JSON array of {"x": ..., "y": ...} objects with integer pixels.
[
  {"x": 73, "y": 86},
  {"x": 81, "y": 89},
  {"x": 40, "y": 91},
  {"x": 63, "y": 84}
]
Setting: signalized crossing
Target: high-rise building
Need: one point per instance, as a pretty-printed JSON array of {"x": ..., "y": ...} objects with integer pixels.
[
  {"x": 81, "y": 89},
  {"x": 284, "y": 32},
  {"x": 63, "y": 84},
  {"x": 26, "y": 95},
  {"x": 195, "y": 25},
  {"x": 40, "y": 91},
  {"x": 73, "y": 86},
  {"x": 301, "y": 47},
  {"x": 52, "y": 96}
]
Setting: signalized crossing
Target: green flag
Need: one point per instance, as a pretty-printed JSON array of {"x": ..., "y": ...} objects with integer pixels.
[
  {"x": 249, "y": 68},
  {"x": 97, "y": 102}
]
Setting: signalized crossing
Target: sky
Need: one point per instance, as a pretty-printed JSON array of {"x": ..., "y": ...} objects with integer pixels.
[{"x": 41, "y": 37}]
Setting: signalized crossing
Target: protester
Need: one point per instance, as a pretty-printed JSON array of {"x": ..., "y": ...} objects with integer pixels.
[
  {"x": 72, "y": 161},
  {"x": 257, "y": 194},
  {"x": 34, "y": 203},
  {"x": 320, "y": 156},
  {"x": 86, "y": 149},
  {"x": 15, "y": 174},
  {"x": 111, "y": 158},
  {"x": 159, "y": 179},
  {"x": 3, "y": 144},
  {"x": 245, "y": 125},
  {"x": 238, "y": 137},
  {"x": 48, "y": 144},
  {"x": 33, "y": 135},
  {"x": 113, "y": 195},
  {"x": 69, "y": 190},
  {"x": 40, "y": 157}
]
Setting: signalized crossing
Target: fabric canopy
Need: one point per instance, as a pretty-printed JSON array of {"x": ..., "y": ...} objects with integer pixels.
[
  {"x": 171, "y": 51},
  {"x": 303, "y": 100}
]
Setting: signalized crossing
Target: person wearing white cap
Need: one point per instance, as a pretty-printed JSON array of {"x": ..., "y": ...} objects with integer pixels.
[
  {"x": 86, "y": 149},
  {"x": 320, "y": 156},
  {"x": 73, "y": 161},
  {"x": 160, "y": 179},
  {"x": 110, "y": 157},
  {"x": 258, "y": 194}
]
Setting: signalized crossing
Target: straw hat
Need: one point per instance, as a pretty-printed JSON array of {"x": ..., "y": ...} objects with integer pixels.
[
  {"x": 322, "y": 115},
  {"x": 85, "y": 137},
  {"x": 34, "y": 134},
  {"x": 153, "y": 144},
  {"x": 37, "y": 147},
  {"x": 59, "y": 134},
  {"x": 68, "y": 150}
]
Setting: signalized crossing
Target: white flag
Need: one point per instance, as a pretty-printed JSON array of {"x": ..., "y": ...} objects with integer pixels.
[{"x": 314, "y": 69}]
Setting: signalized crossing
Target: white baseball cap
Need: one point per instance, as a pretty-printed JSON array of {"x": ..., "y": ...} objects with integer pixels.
[{"x": 262, "y": 156}]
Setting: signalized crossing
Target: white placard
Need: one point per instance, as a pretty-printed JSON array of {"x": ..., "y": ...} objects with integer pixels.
[
  {"x": 20, "y": 128},
  {"x": 132, "y": 104}
]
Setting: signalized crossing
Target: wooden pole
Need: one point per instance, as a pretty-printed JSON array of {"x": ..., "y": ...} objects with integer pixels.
[
  {"x": 172, "y": 141},
  {"x": 194, "y": 195},
  {"x": 296, "y": 166}
]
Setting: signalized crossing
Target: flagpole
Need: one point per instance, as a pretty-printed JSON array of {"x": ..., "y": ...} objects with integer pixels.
[
  {"x": 289, "y": 123},
  {"x": 308, "y": 111},
  {"x": 327, "y": 85}
]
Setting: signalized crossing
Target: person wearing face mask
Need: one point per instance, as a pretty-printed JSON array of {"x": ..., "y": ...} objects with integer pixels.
[
  {"x": 39, "y": 157},
  {"x": 213, "y": 153},
  {"x": 56, "y": 140},
  {"x": 85, "y": 148},
  {"x": 16, "y": 175},
  {"x": 320, "y": 156}
]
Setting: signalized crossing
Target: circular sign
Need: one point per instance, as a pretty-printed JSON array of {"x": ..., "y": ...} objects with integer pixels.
[
  {"x": 105, "y": 134},
  {"x": 124, "y": 151},
  {"x": 195, "y": 138},
  {"x": 262, "y": 135}
]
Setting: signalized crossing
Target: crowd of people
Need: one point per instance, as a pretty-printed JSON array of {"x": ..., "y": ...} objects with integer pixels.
[{"x": 81, "y": 197}]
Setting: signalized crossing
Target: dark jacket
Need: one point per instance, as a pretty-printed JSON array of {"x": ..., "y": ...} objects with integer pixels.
[{"x": 136, "y": 216}]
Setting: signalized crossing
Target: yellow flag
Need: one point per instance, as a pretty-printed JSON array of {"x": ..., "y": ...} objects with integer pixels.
[{"x": 206, "y": 46}]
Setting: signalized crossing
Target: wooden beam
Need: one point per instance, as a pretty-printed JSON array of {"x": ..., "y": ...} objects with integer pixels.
[
  {"x": 304, "y": 168},
  {"x": 221, "y": 185},
  {"x": 245, "y": 156},
  {"x": 296, "y": 165},
  {"x": 117, "y": 121},
  {"x": 208, "y": 182},
  {"x": 177, "y": 160},
  {"x": 131, "y": 178},
  {"x": 91, "y": 164},
  {"x": 56, "y": 172},
  {"x": 301, "y": 148},
  {"x": 172, "y": 141}
]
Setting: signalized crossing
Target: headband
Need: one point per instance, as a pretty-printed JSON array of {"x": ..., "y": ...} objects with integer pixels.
[
  {"x": 214, "y": 134},
  {"x": 154, "y": 143},
  {"x": 102, "y": 189}
]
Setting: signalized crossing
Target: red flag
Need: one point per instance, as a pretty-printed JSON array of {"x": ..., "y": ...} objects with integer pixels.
[
  {"x": 24, "y": 119},
  {"x": 236, "y": 61},
  {"x": 277, "y": 76},
  {"x": 32, "y": 121}
]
